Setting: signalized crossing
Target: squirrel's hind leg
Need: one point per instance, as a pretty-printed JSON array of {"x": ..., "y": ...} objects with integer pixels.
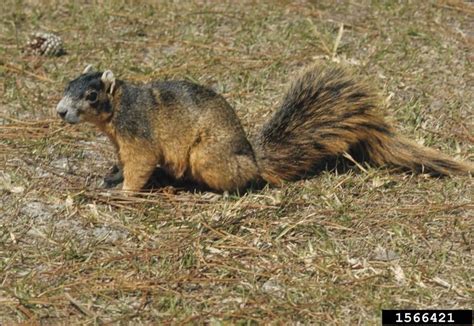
[{"x": 221, "y": 169}]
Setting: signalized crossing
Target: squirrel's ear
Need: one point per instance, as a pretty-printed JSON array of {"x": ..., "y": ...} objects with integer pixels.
[
  {"x": 108, "y": 79},
  {"x": 88, "y": 68}
]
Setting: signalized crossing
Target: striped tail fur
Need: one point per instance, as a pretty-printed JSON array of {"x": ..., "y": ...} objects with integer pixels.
[{"x": 325, "y": 114}]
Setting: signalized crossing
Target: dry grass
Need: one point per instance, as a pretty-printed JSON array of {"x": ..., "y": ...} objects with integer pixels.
[{"x": 335, "y": 249}]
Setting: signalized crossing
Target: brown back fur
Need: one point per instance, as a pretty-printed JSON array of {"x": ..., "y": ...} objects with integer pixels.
[{"x": 193, "y": 133}]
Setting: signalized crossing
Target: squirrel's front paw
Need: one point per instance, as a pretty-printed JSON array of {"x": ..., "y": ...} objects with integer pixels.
[{"x": 113, "y": 178}]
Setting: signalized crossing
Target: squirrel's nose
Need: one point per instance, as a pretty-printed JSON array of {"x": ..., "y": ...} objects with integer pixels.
[{"x": 62, "y": 107}]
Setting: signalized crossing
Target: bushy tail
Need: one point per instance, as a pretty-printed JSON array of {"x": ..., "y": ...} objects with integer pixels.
[
  {"x": 327, "y": 113},
  {"x": 401, "y": 152}
]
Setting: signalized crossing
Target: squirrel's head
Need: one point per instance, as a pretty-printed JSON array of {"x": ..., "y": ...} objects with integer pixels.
[{"x": 88, "y": 97}]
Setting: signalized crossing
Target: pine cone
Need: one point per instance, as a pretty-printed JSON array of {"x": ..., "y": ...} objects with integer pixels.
[{"x": 46, "y": 44}]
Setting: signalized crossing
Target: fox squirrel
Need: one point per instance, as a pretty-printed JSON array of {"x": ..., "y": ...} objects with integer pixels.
[{"x": 193, "y": 133}]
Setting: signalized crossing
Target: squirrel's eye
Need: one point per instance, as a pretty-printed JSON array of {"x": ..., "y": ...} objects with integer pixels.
[{"x": 92, "y": 96}]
